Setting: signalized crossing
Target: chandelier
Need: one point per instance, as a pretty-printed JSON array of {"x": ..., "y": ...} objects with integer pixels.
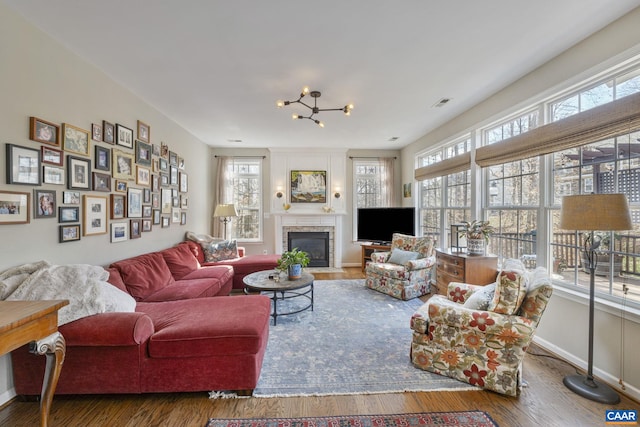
[{"x": 314, "y": 110}]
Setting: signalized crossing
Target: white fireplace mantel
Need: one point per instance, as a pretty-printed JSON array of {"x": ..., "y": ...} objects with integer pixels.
[{"x": 310, "y": 220}]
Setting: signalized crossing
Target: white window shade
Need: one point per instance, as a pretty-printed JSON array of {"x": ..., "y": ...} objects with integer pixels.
[{"x": 448, "y": 166}]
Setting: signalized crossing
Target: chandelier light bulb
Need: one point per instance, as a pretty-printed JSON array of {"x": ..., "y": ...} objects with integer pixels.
[
  {"x": 280, "y": 103},
  {"x": 294, "y": 116},
  {"x": 305, "y": 90}
]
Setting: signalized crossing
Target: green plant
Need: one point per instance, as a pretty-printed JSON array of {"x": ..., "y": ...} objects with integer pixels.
[
  {"x": 477, "y": 229},
  {"x": 292, "y": 257}
]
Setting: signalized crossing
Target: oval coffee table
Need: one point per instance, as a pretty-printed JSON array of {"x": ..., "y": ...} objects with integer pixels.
[{"x": 263, "y": 281}]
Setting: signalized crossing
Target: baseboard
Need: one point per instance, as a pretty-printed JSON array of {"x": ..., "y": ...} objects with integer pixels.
[
  {"x": 606, "y": 377},
  {"x": 7, "y": 396}
]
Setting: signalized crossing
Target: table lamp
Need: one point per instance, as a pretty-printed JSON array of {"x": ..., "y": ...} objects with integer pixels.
[{"x": 225, "y": 212}]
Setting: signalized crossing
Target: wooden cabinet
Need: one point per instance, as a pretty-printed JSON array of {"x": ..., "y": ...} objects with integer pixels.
[
  {"x": 462, "y": 267},
  {"x": 367, "y": 250}
]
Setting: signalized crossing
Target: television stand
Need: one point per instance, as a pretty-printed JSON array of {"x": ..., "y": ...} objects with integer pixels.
[{"x": 367, "y": 250}]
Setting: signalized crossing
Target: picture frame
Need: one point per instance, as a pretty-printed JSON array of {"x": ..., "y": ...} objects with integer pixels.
[
  {"x": 102, "y": 159},
  {"x": 118, "y": 206},
  {"x": 164, "y": 151},
  {"x": 144, "y": 133},
  {"x": 108, "y": 132},
  {"x": 143, "y": 176},
  {"x": 163, "y": 165},
  {"x": 181, "y": 163},
  {"x": 135, "y": 229},
  {"x": 44, "y": 131},
  {"x": 146, "y": 195},
  {"x": 44, "y": 204},
  {"x": 146, "y": 211},
  {"x": 75, "y": 139},
  {"x": 15, "y": 207},
  {"x": 165, "y": 222},
  {"x": 122, "y": 165},
  {"x": 155, "y": 149},
  {"x": 134, "y": 203},
  {"x": 95, "y": 215},
  {"x": 69, "y": 233},
  {"x": 78, "y": 173},
  {"x": 146, "y": 225},
  {"x": 121, "y": 186},
  {"x": 173, "y": 175},
  {"x": 183, "y": 180},
  {"x": 164, "y": 180},
  {"x": 155, "y": 182},
  {"x": 119, "y": 231},
  {"x": 143, "y": 153},
  {"x": 51, "y": 156},
  {"x": 71, "y": 197},
  {"x": 184, "y": 202},
  {"x": 68, "y": 214},
  {"x": 53, "y": 175},
  {"x": 175, "y": 215},
  {"x": 156, "y": 217},
  {"x": 308, "y": 186},
  {"x": 155, "y": 200},
  {"x": 23, "y": 165},
  {"x": 173, "y": 159},
  {"x": 124, "y": 136},
  {"x": 96, "y": 132},
  {"x": 183, "y": 218},
  {"x": 101, "y": 182},
  {"x": 165, "y": 200}
]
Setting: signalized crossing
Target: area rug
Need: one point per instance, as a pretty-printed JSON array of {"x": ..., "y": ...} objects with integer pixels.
[
  {"x": 355, "y": 341},
  {"x": 424, "y": 419}
]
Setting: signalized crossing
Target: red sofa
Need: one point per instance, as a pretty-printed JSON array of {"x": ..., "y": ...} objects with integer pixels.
[{"x": 186, "y": 334}]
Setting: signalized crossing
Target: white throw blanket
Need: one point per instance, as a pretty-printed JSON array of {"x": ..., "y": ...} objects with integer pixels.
[{"x": 83, "y": 285}]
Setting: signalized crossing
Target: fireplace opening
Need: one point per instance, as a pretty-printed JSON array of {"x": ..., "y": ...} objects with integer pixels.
[{"x": 316, "y": 244}]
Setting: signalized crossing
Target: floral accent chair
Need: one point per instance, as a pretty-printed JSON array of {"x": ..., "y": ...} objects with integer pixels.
[
  {"x": 404, "y": 272},
  {"x": 479, "y": 335}
]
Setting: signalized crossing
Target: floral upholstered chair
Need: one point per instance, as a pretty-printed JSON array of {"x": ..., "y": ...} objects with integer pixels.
[
  {"x": 404, "y": 272},
  {"x": 479, "y": 335}
]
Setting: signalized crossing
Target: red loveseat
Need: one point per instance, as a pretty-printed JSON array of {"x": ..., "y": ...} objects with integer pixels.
[{"x": 186, "y": 334}]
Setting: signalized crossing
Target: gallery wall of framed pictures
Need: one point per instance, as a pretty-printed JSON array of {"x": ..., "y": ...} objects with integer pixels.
[{"x": 107, "y": 179}]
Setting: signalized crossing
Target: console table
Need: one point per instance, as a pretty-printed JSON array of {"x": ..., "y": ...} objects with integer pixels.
[
  {"x": 465, "y": 268},
  {"x": 367, "y": 250},
  {"x": 35, "y": 323}
]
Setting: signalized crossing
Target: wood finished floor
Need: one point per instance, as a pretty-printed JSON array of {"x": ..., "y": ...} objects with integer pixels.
[{"x": 545, "y": 402}]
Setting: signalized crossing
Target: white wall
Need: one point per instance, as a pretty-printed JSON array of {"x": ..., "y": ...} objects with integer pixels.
[
  {"x": 563, "y": 328},
  {"x": 41, "y": 78}
]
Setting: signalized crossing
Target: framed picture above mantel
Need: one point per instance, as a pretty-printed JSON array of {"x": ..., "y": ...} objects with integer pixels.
[{"x": 308, "y": 186}]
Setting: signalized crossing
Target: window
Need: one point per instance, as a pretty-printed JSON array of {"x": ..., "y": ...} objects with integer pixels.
[
  {"x": 373, "y": 180},
  {"x": 243, "y": 177}
]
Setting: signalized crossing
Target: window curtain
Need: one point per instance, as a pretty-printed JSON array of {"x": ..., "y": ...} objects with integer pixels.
[
  {"x": 605, "y": 121},
  {"x": 387, "y": 182},
  {"x": 222, "y": 194},
  {"x": 445, "y": 167}
]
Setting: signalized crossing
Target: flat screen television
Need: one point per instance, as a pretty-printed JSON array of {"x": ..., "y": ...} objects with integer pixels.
[{"x": 378, "y": 224}]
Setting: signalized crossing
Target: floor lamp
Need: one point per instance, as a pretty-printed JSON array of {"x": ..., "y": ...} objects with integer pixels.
[
  {"x": 225, "y": 212},
  {"x": 590, "y": 212}
]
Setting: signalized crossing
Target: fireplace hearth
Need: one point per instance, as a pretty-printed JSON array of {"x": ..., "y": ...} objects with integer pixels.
[{"x": 315, "y": 244}]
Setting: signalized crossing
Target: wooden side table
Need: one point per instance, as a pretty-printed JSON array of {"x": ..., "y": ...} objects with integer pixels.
[
  {"x": 465, "y": 268},
  {"x": 36, "y": 323},
  {"x": 367, "y": 250}
]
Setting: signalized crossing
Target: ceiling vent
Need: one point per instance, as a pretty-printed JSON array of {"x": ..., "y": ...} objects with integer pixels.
[{"x": 442, "y": 102}]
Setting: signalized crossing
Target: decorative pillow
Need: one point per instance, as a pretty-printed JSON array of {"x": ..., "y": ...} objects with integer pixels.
[
  {"x": 481, "y": 299},
  {"x": 400, "y": 257},
  {"x": 510, "y": 292},
  {"x": 227, "y": 249}
]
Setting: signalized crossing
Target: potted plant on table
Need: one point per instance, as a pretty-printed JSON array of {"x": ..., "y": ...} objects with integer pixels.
[
  {"x": 292, "y": 262},
  {"x": 477, "y": 233}
]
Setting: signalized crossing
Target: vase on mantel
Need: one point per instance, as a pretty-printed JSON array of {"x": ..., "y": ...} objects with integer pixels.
[{"x": 476, "y": 246}]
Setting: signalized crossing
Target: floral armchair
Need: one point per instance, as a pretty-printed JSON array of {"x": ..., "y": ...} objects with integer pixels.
[
  {"x": 479, "y": 336},
  {"x": 404, "y": 272}
]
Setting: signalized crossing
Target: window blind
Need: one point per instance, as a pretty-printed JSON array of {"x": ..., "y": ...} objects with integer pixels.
[{"x": 448, "y": 166}]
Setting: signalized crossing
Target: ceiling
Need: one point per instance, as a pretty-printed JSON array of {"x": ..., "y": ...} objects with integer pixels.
[{"x": 217, "y": 68}]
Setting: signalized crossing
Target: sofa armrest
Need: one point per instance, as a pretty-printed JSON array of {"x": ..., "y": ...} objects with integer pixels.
[
  {"x": 460, "y": 292},
  {"x": 108, "y": 329},
  {"x": 419, "y": 264},
  {"x": 380, "y": 256}
]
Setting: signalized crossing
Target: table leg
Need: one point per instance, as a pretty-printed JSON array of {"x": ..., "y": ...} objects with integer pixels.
[{"x": 54, "y": 348}]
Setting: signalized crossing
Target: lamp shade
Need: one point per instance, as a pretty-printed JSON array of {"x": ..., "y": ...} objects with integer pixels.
[
  {"x": 225, "y": 210},
  {"x": 595, "y": 212}
]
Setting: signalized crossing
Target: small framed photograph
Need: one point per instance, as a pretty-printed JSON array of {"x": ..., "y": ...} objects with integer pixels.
[
  {"x": 155, "y": 165},
  {"x": 165, "y": 200},
  {"x": 143, "y": 153},
  {"x": 69, "y": 233},
  {"x": 122, "y": 164},
  {"x": 146, "y": 211},
  {"x": 174, "y": 175},
  {"x": 163, "y": 164},
  {"x": 101, "y": 182},
  {"x": 71, "y": 197},
  {"x": 108, "y": 132},
  {"x": 44, "y": 131},
  {"x": 183, "y": 180},
  {"x": 96, "y": 132},
  {"x": 175, "y": 215},
  {"x": 164, "y": 180},
  {"x": 51, "y": 156},
  {"x": 184, "y": 202},
  {"x": 156, "y": 216},
  {"x": 164, "y": 151},
  {"x": 155, "y": 200},
  {"x": 135, "y": 228},
  {"x": 155, "y": 182},
  {"x": 175, "y": 201},
  {"x": 118, "y": 206},
  {"x": 183, "y": 218},
  {"x": 165, "y": 221},
  {"x": 68, "y": 214},
  {"x": 78, "y": 173},
  {"x": 45, "y": 203},
  {"x": 121, "y": 186},
  {"x": 144, "y": 133},
  {"x": 14, "y": 207},
  {"x": 119, "y": 231},
  {"x": 95, "y": 215},
  {"x": 143, "y": 176},
  {"x": 75, "y": 139},
  {"x": 155, "y": 148},
  {"x": 103, "y": 159},
  {"x": 23, "y": 165},
  {"x": 124, "y": 136},
  {"x": 53, "y": 175},
  {"x": 134, "y": 203},
  {"x": 173, "y": 159},
  {"x": 146, "y": 195},
  {"x": 146, "y": 225},
  {"x": 180, "y": 163}
]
